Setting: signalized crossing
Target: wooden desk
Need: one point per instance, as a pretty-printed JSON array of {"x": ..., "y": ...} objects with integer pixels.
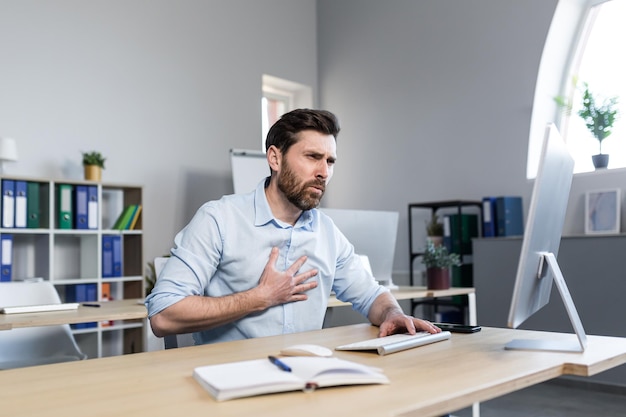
[
  {"x": 427, "y": 381},
  {"x": 109, "y": 310},
  {"x": 412, "y": 293}
]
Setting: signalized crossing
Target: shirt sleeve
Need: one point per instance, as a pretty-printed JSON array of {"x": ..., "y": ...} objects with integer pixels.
[{"x": 195, "y": 257}]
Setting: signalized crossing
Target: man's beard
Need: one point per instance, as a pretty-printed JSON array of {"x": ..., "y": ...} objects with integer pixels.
[{"x": 299, "y": 195}]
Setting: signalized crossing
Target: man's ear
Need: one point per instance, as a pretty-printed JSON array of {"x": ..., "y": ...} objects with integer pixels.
[{"x": 273, "y": 158}]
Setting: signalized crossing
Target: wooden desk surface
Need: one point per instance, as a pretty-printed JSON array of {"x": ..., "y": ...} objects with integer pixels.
[
  {"x": 109, "y": 310},
  {"x": 410, "y": 293},
  {"x": 427, "y": 381}
]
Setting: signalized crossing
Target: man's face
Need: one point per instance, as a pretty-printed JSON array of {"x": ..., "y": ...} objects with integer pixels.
[{"x": 306, "y": 168}]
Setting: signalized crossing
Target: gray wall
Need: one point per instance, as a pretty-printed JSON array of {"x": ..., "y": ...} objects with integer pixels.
[
  {"x": 435, "y": 99},
  {"x": 162, "y": 88}
]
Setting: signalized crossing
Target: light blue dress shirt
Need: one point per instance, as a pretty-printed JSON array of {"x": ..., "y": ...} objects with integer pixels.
[{"x": 225, "y": 247}]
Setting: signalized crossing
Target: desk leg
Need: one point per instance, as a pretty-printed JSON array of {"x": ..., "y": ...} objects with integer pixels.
[
  {"x": 476, "y": 410},
  {"x": 471, "y": 306},
  {"x": 473, "y": 321}
]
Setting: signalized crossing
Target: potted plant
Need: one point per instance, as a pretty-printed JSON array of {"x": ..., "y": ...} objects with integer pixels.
[
  {"x": 93, "y": 163},
  {"x": 434, "y": 230},
  {"x": 438, "y": 263},
  {"x": 599, "y": 117}
]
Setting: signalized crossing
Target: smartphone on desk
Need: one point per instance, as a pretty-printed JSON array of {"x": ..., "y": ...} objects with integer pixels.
[{"x": 458, "y": 328}]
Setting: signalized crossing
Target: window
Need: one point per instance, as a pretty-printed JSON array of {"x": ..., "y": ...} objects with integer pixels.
[
  {"x": 598, "y": 61},
  {"x": 273, "y": 105},
  {"x": 584, "y": 44},
  {"x": 279, "y": 97}
]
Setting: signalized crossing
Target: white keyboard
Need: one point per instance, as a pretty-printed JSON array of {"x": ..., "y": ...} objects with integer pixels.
[
  {"x": 39, "y": 308},
  {"x": 396, "y": 342}
]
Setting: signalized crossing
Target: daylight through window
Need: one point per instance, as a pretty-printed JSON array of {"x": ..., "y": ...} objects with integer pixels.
[{"x": 599, "y": 62}]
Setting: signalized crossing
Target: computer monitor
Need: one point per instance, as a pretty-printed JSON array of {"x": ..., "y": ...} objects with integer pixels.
[
  {"x": 538, "y": 267},
  {"x": 373, "y": 233}
]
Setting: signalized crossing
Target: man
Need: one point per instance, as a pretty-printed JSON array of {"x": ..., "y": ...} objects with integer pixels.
[{"x": 265, "y": 263}]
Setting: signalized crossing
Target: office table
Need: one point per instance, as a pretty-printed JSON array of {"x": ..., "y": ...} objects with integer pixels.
[
  {"x": 427, "y": 381},
  {"x": 109, "y": 310}
]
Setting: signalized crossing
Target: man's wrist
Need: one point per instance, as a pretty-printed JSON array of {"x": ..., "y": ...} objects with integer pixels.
[
  {"x": 392, "y": 312},
  {"x": 253, "y": 300}
]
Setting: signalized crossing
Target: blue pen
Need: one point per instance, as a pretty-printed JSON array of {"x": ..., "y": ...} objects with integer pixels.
[{"x": 282, "y": 365}]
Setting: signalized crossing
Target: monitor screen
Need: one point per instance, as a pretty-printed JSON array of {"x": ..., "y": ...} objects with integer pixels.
[
  {"x": 537, "y": 267},
  {"x": 373, "y": 233}
]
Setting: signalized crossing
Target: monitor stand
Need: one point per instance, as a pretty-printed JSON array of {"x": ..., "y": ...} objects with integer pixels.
[{"x": 556, "y": 345}]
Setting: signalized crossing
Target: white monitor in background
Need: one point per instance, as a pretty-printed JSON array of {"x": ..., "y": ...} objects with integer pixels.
[
  {"x": 373, "y": 234},
  {"x": 538, "y": 267},
  {"x": 249, "y": 167}
]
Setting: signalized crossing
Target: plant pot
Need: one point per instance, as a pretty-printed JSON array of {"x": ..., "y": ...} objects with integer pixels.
[
  {"x": 438, "y": 278},
  {"x": 600, "y": 161},
  {"x": 437, "y": 240},
  {"x": 93, "y": 173}
]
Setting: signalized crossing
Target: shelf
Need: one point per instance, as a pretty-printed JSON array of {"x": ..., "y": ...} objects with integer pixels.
[
  {"x": 446, "y": 204},
  {"x": 463, "y": 274},
  {"x": 68, "y": 257},
  {"x": 457, "y": 206}
]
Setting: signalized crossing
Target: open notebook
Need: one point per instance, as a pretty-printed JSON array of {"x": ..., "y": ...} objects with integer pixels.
[
  {"x": 254, "y": 377},
  {"x": 396, "y": 342}
]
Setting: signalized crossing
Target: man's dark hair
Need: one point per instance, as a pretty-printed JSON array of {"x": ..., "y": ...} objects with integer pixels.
[{"x": 284, "y": 132}]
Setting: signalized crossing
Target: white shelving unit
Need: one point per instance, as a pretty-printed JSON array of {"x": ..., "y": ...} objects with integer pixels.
[{"x": 68, "y": 257}]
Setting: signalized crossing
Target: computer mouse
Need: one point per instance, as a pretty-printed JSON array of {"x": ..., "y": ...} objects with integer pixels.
[{"x": 306, "y": 350}]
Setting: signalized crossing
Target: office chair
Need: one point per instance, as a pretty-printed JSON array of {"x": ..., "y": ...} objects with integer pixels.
[
  {"x": 35, "y": 345},
  {"x": 175, "y": 340}
]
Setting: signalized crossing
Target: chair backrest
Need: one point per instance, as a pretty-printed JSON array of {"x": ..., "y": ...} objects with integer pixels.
[
  {"x": 178, "y": 340},
  {"x": 35, "y": 345}
]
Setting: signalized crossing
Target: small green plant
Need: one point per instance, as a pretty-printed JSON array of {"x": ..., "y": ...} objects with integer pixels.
[
  {"x": 93, "y": 158},
  {"x": 598, "y": 115},
  {"x": 437, "y": 256},
  {"x": 434, "y": 227}
]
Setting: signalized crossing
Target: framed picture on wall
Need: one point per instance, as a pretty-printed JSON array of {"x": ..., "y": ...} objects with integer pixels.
[{"x": 602, "y": 211}]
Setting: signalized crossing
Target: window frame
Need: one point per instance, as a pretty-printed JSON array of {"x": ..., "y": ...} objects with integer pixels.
[
  {"x": 571, "y": 24},
  {"x": 293, "y": 94}
]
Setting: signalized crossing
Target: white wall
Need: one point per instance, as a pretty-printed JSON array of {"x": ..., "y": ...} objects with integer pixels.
[{"x": 162, "y": 88}]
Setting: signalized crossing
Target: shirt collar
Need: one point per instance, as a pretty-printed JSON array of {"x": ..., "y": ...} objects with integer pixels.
[{"x": 263, "y": 212}]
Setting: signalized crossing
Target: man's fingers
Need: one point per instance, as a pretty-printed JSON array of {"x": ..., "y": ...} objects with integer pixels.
[
  {"x": 293, "y": 269},
  {"x": 427, "y": 326},
  {"x": 301, "y": 278},
  {"x": 273, "y": 257},
  {"x": 298, "y": 281}
]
